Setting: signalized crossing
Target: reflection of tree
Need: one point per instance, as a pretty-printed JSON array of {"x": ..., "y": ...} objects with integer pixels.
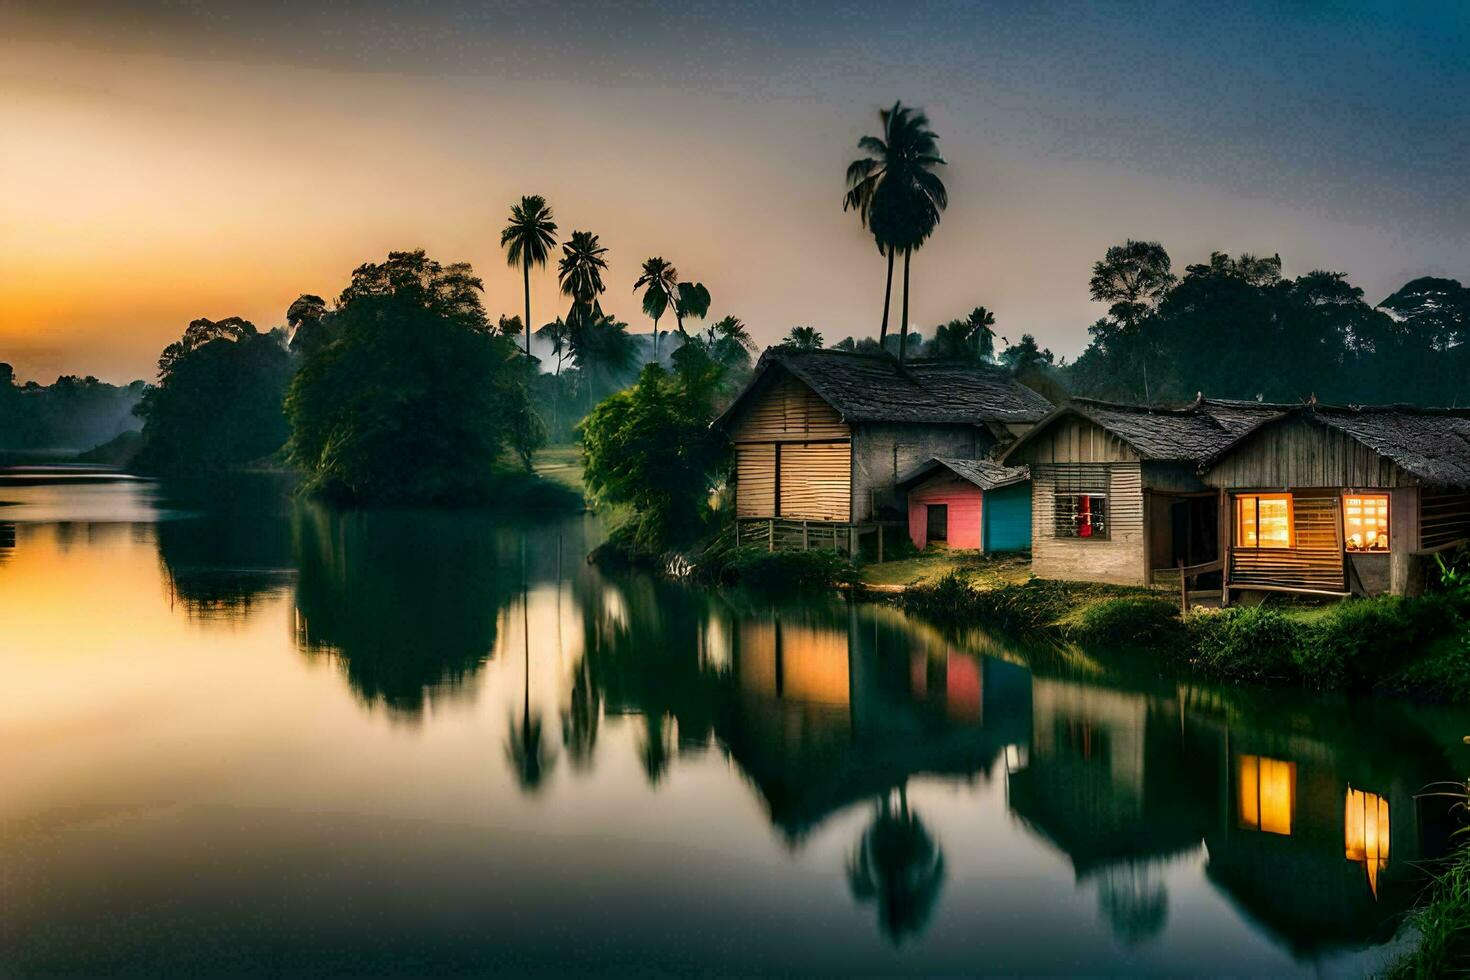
[
  {"x": 898, "y": 865},
  {"x": 219, "y": 564},
  {"x": 655, "y": 748},
  {"x": 526, "y": 746},
  {"x": 581, "y": 720},
  {"x": 406, "y": 602},
  {"x": 1134, "y": 902}
]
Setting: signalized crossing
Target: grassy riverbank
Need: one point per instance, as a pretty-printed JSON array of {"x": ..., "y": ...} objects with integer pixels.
[{"x": 1443, "y": 922}]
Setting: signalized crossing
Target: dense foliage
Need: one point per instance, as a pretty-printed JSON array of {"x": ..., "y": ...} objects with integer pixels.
[
  {"x": 72, "y": 413},
  {"x": 651, "y": 448},
  {"x": 413, "y": 397},
  {"x": 217, "y": 403},
  {"x": 1235, "y": 327}
]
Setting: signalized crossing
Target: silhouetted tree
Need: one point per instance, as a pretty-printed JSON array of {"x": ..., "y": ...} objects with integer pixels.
[
  {"x": 970, "y": 339},
  {"x": 528, "y": 241},
  {"x": 803, "y": 338},
  {"x": 659, "y": 280}
]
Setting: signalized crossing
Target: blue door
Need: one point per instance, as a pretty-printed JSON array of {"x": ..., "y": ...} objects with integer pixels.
[{"x": 1007, "y": 518}]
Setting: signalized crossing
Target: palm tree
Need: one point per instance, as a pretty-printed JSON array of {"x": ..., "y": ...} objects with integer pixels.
[
  {"x": 803, "y": 338},
  {"x": 527, "y": 241},
  {"x": 580, "y": 272},
  {"x": 526, "y": 747},
  {"x": 898, "y": 866},
  {"x": 897, "y": 195},
  {"x": 605, "y": 355},
  {"x": 970, "y": 339},
  {"x": 661, "y": 280}
]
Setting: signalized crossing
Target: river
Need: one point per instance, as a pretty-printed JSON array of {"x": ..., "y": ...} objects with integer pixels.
[{"x": 245, "y": 734}]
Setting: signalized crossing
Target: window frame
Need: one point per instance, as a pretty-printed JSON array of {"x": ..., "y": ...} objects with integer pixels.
[
  {"x": 1256, "y": 498},
  {"x": 1387, "y": 519},
  {"x": 1107, "y": 521}
]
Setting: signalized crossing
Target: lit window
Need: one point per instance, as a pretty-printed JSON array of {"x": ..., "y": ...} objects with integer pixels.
[
  {"x": 1082, "y": 515},
  {"x": 1263, "y": 520},
  {"x": 1267, "y": 790},
  {"x": 1365, "y": 522},
  {"x": 1365, "y": 825}
]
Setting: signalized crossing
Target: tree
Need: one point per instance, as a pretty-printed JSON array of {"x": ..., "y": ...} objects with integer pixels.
[
  {"x": 580, "y": 272},
  {"x": 415, "y": 398},
  {"x": 897, "y": 194},
  {"x": 1434, "y": 311},
  {"x": 659, "y": 281},
  {"x": 970, "y": 339},
  {"x": 308, "y": 319},
  {"x": 651, "y": 447},
  {"x": 218, "y": 400},
  {"x": 803, "y": 338},
  {"x": 898, "y": 866},
  {"x": 1025, "y": 354},
  {"x": 1132, "y": 277},
  {"x": 605, "y": 356},
  {"x": 527, "y": 241}
]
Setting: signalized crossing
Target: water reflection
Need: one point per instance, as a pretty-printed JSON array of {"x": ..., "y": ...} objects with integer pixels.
[{"x": 929, "y": 795}]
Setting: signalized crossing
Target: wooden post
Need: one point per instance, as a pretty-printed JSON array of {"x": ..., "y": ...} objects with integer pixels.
[
  {"x": 771, "y": 534},
  {"x": 1183, "y": 591},
  {"x": 852, "y": 539},
  {"x": 805, "y": 537},
  {"x": 1225, "y": 521},
  {"x": 880, "y": 544}
]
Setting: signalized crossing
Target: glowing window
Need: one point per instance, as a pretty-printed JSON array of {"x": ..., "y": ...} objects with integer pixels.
[
  {"x": 1365, "y": 522},
  {"x": 1365, "y": 825},
  {"x": 1263, "y": 520},
  {"x": 1267, "y": 792}
]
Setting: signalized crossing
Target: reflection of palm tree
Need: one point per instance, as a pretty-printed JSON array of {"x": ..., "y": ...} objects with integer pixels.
[
  {"x": 898, "y": 865},
  {"x": 656, "y": 749},
  {"x": 579, "y": 723},
  {"x": 526, "y": 745},
  {"x": 1134, "y": 902}
]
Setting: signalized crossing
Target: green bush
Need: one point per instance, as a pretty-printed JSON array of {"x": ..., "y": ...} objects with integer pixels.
[
  {"x": 1128, "y": 621},
  {"x": 779, "y": 571},
  {"x": 1258, "y": 643}
]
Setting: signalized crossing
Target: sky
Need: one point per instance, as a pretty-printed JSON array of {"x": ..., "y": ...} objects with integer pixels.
[{"x": 167, "y": 161}]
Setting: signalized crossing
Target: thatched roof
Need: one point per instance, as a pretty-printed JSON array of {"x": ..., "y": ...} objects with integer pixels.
[
  {"x": 1432, "y": 444},
  {"x": 1189, "y": 434},
  {"x": 874, "y": 388},
  {"x": 981, "y": 472}
]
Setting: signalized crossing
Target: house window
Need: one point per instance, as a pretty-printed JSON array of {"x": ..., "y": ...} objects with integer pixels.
[
  {"x": 1267, "y": 793},
  {"x": 1082, "y": 515},
  {"x": 1365, "y": 522},
  {"x": 1263, "y": 520}
]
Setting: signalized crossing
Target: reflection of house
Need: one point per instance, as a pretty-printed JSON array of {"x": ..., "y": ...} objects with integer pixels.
[
  {"x": 1115, "y": 495},
  {"x": 968, "y": 503},
  {"x": 1112, "y": 777},
  {"x": 821, "y": 437},
  {"x": 1341, "y": 500},
  {"x": 835, "y": 711}
]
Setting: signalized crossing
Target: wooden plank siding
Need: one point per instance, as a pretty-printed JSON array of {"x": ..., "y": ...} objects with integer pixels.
[
  {"x": 1297, "y": 453},
  {"x": 793, "y": 456},
  {"x": 1444, "y": 517},
  {"x": 1119, "y": 559},
  {"x": 1316, "y": 559},
  {"x": 1075, "y": 440}
]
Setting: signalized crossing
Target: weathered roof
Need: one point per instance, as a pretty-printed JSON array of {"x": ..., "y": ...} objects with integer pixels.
[
  {"x": 981, "y": 472},
  {"x": 874, "y": 388},
  {"x": 1186, "y": 434},
  {"x": 1433, "y": 444}
]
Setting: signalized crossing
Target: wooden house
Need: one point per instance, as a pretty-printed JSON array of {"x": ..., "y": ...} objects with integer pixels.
[
  {"x": 968, "y": 503},
  {"x": 1115, "y": 492},
  {"x": 1342, "y": 500},
  {"x": 822, "y": 437}
]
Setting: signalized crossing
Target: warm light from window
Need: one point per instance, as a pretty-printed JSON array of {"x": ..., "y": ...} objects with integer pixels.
[
  {"x": 1267, "y": 792},
  {"x": 1365, "y": 825},
  {"x": 1263, "y": 520},
  {"x": 1365, "y": 522}
]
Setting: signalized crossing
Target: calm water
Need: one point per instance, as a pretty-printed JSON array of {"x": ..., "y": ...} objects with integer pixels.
[{"x": 256, "y": 736}]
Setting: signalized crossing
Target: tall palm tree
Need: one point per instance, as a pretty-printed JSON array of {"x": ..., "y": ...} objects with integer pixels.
[
  {"x": 580, "y": 270},
  {"x": 661, "y": 281},
  {"x": 897, "y": 195},
  {"x": 528, "y": 241}
]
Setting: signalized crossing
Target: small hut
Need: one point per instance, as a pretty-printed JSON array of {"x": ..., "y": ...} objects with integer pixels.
[
  {"x": 969, "y": 504},
  {"x": 1336, "y": 501}
]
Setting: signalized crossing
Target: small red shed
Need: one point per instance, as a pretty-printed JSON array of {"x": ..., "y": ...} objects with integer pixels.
[{"x": 947, "y": 504}]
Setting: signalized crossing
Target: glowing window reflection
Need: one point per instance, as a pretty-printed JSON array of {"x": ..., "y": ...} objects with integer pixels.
[
  {"x": 1267, "y": 791},
  {"x": 1365, "y": 825}
]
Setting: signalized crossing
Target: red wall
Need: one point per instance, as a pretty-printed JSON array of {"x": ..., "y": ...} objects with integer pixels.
[{"x": 963, "y": 498}]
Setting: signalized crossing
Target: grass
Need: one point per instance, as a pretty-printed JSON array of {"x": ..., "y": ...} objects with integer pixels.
[
  {"x": 928, "y": 567},
  {"x": 1443, "y": 922},
  {"x": 561, "y": 464}
]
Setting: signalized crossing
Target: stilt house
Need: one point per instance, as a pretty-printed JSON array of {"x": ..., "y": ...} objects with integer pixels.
[{"x": 822, "y": 437}]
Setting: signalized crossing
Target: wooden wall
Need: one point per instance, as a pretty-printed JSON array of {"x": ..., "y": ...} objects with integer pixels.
[
  {"x": 884, "y": 451},
  {"x": 786, "y": 427},
  {"x": 1121, "y": 559},
  {"x": 1444, "y": 517},
  {"x": 964, "y": 501},
  {"x": 1071, "y": 439},
  {"x": 1295, "y": 452}
]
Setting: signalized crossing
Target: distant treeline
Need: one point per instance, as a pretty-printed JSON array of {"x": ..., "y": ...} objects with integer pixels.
[
  {"x": 1237, "y": 328},
  {"x": 72, "y": 413}
]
